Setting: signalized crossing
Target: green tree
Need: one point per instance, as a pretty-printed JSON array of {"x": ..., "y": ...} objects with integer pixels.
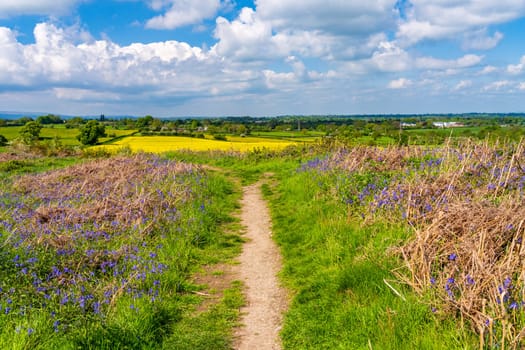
[
  {"x": 3, "y": 140},
  {"x": 144, "y": 122},
  {"x": 30, "y": 132},
  {"x": 74, "y": 122},
  {"x": 90, "y": 132},
  {"x": 23, "y": 120},
  {"x": 49, "y": 119}
]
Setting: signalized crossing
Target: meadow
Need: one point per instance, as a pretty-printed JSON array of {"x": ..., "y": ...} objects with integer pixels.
[
  {"x": 398, "y": 247},
  {"x": 66, "y": 136},
  {"x": 100, "y": 254},
  {"x": 384, "y": 247}
]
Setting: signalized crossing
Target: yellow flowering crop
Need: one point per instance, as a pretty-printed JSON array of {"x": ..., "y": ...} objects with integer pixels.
[{"x": 159, "y": 144}]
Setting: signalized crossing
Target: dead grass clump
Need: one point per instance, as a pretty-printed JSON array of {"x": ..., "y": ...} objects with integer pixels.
[
  {"x": 470, "y": 258},
  {"x": 138, "y": 191},
  {"x": 466, "y": 205},
  {"x": 10, "y": 156},
  {"x": 366, "y": 158}
]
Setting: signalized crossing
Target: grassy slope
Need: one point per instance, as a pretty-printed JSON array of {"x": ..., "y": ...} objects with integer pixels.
[
  {"x": 173, "y": 323},
  {"x": 336, "y": 270}
]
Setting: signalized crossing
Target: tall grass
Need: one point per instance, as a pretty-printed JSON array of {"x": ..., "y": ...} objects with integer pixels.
[{"x": 464, "y": 205}]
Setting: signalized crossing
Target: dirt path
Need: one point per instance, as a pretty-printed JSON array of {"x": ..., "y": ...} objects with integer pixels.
[{"x": 260, "y": 262}]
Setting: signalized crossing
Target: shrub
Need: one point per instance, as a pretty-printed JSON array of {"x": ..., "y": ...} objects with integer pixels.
[{"x": 90, "y": 132}]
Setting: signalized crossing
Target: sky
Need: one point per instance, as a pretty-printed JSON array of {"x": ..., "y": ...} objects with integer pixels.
[{"x": 175, "y": 58}]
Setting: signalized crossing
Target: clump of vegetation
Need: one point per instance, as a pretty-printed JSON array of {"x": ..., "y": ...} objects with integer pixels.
[
  {"x": 3, "y": 141},
  {"x": 465, "y": 205},
  {"x": 30, "y": 133},
  {"x": 91, "y": 132}
]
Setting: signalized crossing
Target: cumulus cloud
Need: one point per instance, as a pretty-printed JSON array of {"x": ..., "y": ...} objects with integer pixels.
[
  {"x": 401, "y": 83},
  {"x": 101, "y": 71},
  {"x": 31, "y": 7},
  {"x": 329, "y": 29},
  {"x": 246, "y": 37},
  {"x": 55, "y": 59},
  {"x": 390, "y": 58},
  {"x": 448, "y": 18},
  {"x": 517, "y": 68},
  {"x": 182, "y": 12}
]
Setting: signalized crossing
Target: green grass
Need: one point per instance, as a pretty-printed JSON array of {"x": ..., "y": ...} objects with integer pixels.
[
  {"x": 66, "y": 136},
  {"x": 336, "y": 267},
  {"x": 305, "y": 135},
  {"x": 18, "y": 167}
]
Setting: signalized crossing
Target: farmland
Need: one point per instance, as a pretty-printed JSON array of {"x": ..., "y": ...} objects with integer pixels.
[
  {"x": 387, "y": 242},
  {"x": 159, "y": 144},
  {"x": 66, "y": 136}
]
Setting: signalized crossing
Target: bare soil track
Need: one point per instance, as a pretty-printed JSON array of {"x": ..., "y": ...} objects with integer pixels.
[{"x": 260, "y": 263}]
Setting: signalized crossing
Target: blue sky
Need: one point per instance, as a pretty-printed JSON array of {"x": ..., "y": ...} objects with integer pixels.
[{"x": 262, "y": 57}]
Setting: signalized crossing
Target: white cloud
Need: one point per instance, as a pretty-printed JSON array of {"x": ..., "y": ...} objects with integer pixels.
[
  {"x": 463, "y": 84},
  {"x": 445, "y": 19},
  {"x": 245, "y": 37},
  {"x": 522, "y": 86},
  {"x": 390, "y": 58},
  {"x": 54, "y": 59},
  {"x": 462, "y": 62},
  {"x": 479, "y": 40},
  {"x": 488, "y": 69},
  {"x": 40, "y": 7},
  {"x": 400, "y": 83},
  {"x": 327, "y": 29},
  {"x": 75, "y": 94},
  {"x": 329, "y": 16},
  {"x": 182, "y": 13},
  {"x": 101, "y": 71},
  {"x": 517, "y": 68},
  {"x": 497, "y": 85}
]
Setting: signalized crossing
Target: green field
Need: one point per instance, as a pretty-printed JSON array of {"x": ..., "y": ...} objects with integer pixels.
[
  {"x": 305, "y": 135},
  {"x": 60, "y": 132}
]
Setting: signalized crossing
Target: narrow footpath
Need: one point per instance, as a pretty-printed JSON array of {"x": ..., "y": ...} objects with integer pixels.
[{"x": 260, "y": 263}]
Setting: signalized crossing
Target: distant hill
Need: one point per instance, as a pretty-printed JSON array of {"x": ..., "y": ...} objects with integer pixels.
[{"x": 17, "y": 115}]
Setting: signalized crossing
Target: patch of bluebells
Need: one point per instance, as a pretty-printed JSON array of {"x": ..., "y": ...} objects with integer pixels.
[
  {"x": 61, "y": 259},
  {"x": 482, "y": 171},
  {"x": 421, "y": 188}
]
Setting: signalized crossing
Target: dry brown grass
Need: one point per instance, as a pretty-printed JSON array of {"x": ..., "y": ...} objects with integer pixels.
[
  {"x": 468, "y": 250},
  {"x": 466, "y": 206},
  {"x": 104, "y": 192}
]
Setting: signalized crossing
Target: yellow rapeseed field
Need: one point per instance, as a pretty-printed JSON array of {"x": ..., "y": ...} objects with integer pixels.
[{"x": 159, "y": 144}]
